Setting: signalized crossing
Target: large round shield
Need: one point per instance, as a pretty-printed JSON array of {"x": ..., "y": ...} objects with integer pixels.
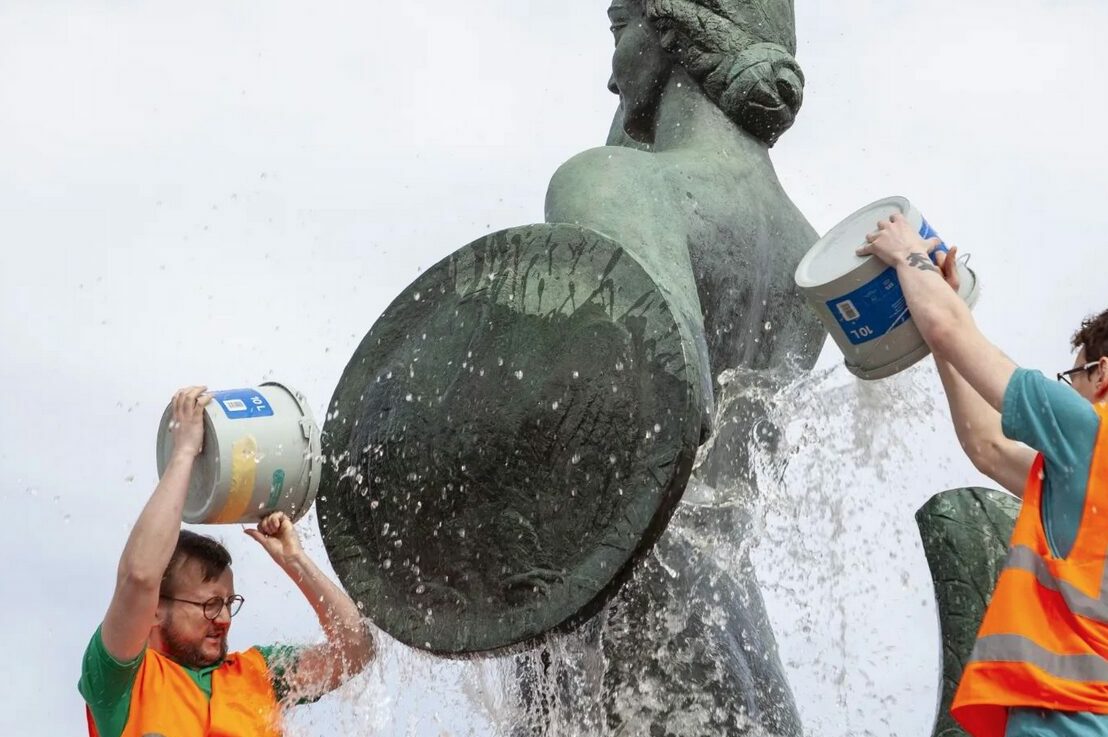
[{"x": 514, "y": 431}]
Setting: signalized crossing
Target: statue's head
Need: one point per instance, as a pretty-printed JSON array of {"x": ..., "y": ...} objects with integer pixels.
[{"x": 740, "y": 52}]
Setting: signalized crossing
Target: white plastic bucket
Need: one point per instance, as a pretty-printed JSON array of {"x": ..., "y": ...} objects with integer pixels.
[
  {"x": 859, "y": 298},
  {"x": 261, "y": 454}
]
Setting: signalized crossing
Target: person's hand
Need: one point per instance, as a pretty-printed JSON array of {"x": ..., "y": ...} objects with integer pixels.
[
  {"x": 276, "y": 534},
  {"x": 948, "y": 265},
  {"x": 187, "y": 424},
  {"x": 895, "y": 240}
]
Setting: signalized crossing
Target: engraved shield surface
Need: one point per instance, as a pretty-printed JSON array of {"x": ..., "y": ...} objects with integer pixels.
[{"x": 510, "y": 436}]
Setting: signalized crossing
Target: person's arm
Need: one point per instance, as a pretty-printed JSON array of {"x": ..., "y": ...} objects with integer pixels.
[
  {"x": 979, "y": 432},
  {"x": 349, "y": 644},
  {"x": 975, "y": 374},
  {"x": 150, "y": 545},
  {"x": 943, "y": 319}
]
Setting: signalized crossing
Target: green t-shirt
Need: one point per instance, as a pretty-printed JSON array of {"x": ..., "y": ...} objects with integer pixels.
[{"x": 106, "y": 683}]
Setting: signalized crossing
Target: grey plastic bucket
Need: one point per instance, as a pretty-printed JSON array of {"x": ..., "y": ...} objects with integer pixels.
[
  {"x": 859, "y": 298},
  {"x": 261, "y": 454}
]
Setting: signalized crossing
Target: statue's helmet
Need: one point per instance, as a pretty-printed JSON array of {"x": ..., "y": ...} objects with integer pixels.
[{"x": 741, "y": 54}]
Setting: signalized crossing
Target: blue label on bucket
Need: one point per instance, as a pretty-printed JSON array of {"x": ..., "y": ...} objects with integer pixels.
[
  {"x": 241, "y": 404},
  {"x": 871, "y": 310},
  {"x": 926, "y": 232}
]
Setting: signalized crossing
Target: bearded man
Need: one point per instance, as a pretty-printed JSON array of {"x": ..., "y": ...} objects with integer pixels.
[{"x": 158, "y": 664}]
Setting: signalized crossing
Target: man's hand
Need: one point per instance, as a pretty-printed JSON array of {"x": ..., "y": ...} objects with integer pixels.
[
  {"x": 896, "y": 241},
  {"x": 349, "y": 646},
  {"x": 948, "y": 265},
  {"x": 187, "y": 424},
  {"x": 276, "y": 534}
]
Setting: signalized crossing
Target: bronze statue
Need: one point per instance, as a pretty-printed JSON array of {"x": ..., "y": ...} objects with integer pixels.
[{"x": 514, "y": 433}]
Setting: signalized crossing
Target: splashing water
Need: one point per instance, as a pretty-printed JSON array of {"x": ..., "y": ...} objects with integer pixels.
[{"x": 803, "y": 497}]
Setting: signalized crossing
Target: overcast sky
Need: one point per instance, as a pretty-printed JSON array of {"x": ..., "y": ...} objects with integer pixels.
[{"x": 229, "y": 192}]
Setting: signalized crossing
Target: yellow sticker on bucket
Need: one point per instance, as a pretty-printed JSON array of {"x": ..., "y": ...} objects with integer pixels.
[{"x": 244, "y": 467}]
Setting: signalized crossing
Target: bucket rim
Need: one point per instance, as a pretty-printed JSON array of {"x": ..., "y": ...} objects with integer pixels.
[
  {"x": 315, "y": 448},
  {"x": 802, "y": 275}
]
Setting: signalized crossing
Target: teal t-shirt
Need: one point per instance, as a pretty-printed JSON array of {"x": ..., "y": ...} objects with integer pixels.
[
  {"x": 106, "y": 683},
  {"x": 1053, "y": 419}
]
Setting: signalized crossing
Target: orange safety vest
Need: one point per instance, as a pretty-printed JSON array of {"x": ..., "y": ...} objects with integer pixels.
[
  {"x": 1043, "y": 642},
  {"x": 166, "y": 701}
]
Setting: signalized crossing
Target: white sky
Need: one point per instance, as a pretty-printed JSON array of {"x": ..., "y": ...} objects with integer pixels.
[{"x": 227, "y": 192}]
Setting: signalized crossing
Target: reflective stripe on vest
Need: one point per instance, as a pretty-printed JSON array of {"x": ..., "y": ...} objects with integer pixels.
[
  {"x": 1023, "y": 558},
  {"x": 1017, "y": 649}
]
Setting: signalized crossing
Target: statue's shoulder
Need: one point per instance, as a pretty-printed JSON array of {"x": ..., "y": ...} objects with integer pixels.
[{"x": 602, "y": 179}]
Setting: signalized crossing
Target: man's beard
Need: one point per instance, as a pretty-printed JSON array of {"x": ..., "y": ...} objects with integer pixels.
[{"x": 189, "y": 653}]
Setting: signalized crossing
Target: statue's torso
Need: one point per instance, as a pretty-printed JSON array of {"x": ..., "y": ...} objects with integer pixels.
[{"x": 729, "y": 218}]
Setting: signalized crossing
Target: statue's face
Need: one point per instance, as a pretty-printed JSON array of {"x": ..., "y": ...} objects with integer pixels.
[{"x": 640, "y": 68}]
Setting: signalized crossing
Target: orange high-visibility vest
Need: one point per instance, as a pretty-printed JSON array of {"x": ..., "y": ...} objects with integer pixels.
[
  {"x": 1043, "y": 642},
  {"x": 166, "y": 701}
]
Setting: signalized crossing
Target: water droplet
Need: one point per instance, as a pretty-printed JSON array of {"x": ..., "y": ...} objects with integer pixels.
[
  {"x": 519, "y": 374},
  {"x": 386, "y": 563},
  {"x": 769, "y": 326},
  {"x": 657, "y": 427},
  {"x": 416, "y": 296},
  {"x": 408, "y": 397},
  {"x": 575, "y": 459},
  {"x": 576, "y": 375}
]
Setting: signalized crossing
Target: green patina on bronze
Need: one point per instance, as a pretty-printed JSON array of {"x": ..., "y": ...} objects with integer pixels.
[
  {"x": 707, "y": 241},
  {"x": 965, "y": 535},
  {"x": 512, "y": 433},
  {"x": 705, "y": 88}
]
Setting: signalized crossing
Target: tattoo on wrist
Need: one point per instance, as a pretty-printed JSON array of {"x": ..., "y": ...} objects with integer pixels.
[{"x": 921, "y": 262}]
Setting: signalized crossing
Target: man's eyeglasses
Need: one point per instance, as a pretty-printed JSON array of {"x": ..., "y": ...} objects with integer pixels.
[
  {"x": 213, "y": 607},
  {"x": 1064, "y": 376}
]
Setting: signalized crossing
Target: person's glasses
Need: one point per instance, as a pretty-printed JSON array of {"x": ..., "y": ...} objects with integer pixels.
[
  {"x": 214, "y": 606},
  {"x": 1064, "y": 376}
]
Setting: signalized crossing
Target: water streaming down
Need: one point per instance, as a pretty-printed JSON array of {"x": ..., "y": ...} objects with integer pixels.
[{"x": 804, "y": 497}]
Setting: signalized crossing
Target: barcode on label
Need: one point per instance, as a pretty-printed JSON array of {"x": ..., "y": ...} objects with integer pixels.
[
  {"x": 234, "y": 405},
  {"x": 847, "y": 310}
]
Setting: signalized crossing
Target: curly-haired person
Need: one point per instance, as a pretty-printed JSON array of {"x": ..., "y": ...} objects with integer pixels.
[{"x": 1039, "y": 667}]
